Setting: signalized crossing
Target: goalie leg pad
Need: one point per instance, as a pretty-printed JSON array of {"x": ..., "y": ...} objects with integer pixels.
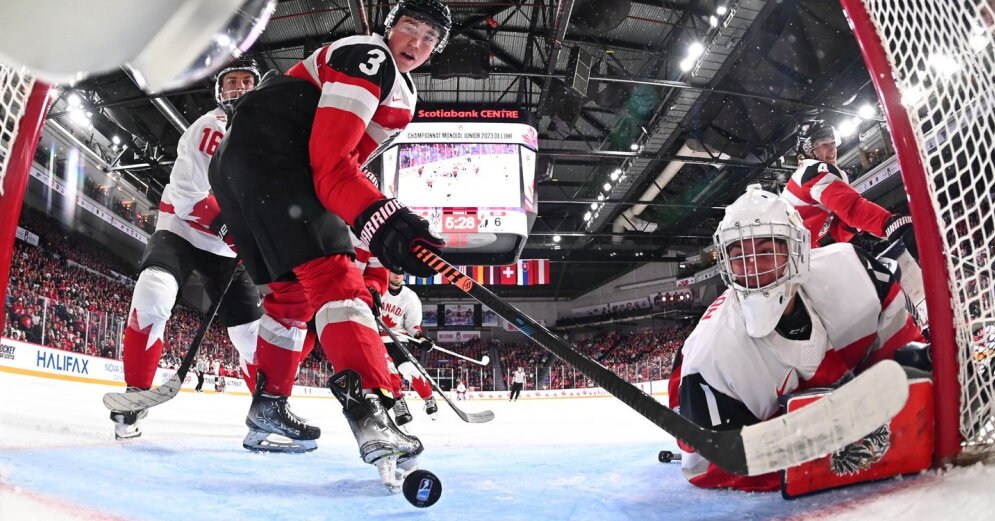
[{"x": 903, "y": 446}]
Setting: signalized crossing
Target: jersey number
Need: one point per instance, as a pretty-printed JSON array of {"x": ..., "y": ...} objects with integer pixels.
[
  {"x": 373, "y": 64},
  {"x": 209, "y": 143}
]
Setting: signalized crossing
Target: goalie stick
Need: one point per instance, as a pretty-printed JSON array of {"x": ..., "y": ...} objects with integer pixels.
[
  {"x": 469, "y": 417},
  {"x": 845, "y": 416},
  {"x": 483, "y": 361},
  {"x": 131, "y": 402}
]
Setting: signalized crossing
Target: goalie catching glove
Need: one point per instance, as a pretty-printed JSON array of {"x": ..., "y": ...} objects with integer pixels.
[{"x": 392, "y": 230}]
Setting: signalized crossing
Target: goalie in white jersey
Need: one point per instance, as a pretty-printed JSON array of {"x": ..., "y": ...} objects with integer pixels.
[
  {"x": 401, "y": 311},
  {"x": 793, "y": 319}
]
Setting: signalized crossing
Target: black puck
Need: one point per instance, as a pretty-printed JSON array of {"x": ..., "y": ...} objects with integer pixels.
[
  {"x": 666, "y": 456},
  {"x": 422, "y": 488}
]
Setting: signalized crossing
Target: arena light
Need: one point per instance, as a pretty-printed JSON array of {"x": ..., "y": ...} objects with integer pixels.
[
  {"x": 116, "y": 139},
  {"x": 866, "y": 111},
  {"x": 587, "y": 216},
  {"x": 594, "y": 206},
  {"x": 74, "y": 100},
  {"x": 847, "y": 128},
  {"x": 721, "y": 10},
  {"x": 601, "y": 197},
  {"x": 557, "y": 238},
  {"x": 615, "y": 173},
  {"x": 607, "y": 186},
  {"x": 687, "y": 64},
  {"x": 713, "y": 21},
  {"x": 695, "y": 50}
]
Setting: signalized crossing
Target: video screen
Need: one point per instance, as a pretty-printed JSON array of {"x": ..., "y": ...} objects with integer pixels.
[
  {"x": 459, "y": 174},
  {"x": 458, "y": 315},
  {"x": 489, "y": 318},
  {"x": 430, "y": 316}
]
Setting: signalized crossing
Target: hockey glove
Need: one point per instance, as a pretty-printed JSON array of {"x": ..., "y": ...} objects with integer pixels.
[
  {"x": 392, "y": 230},
  {"x": 377, "y": 301},
  {"x": 899, "y": 227},
  {"x": 219, "y": 228}
]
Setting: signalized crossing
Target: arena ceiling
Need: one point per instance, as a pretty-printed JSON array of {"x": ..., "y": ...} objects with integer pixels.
[{"x": 719, "y": 120}]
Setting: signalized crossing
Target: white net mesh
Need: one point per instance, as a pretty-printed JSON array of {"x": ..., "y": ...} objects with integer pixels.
[
  {"x": 15, "y": 85},
  {"x": 942, "y": 54}
]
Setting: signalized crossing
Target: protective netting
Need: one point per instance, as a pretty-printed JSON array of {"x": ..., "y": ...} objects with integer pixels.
[
  {"x": 15, "y": 85},
  {"x": 942, "y": 54}
]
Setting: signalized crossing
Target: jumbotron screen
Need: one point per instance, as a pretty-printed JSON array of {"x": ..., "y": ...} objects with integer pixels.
[{"x": 472, "y": 179}]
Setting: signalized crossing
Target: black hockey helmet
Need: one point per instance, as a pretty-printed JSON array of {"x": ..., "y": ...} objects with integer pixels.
[
  {"x": 811, "y": 130},
  {"x": 432, "y": 12},
  {"x": 241, "y": 64}
]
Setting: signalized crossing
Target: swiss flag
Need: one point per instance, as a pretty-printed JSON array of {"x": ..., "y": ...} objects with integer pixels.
[{"x": 508, "y": 275}]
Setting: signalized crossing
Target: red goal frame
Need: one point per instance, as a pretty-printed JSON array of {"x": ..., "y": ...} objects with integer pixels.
[
  {"x": 946, "y": 388},
  {"x": 15, "y": 178}
]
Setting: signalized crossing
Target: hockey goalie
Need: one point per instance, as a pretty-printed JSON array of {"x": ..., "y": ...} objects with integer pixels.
[{"x": 794, "y": 324}]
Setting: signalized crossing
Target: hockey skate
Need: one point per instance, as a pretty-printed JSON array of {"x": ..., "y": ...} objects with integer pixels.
[
  {"x": 273, "y": 427},
  {"x": 431, "y": 408},
  {"x": 127, "y": 424},
  {"x": 381, "y": 442},
  {"x": 402, "y": 414}
]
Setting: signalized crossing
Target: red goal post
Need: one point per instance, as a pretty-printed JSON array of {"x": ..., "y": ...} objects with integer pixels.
[
  {"x": 933, "y": 68},
  {"x": 23, "y": 105}
]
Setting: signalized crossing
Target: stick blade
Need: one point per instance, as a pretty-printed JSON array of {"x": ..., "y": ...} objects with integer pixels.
[
  {"x": 846, "y": 415},
  {"x": 131, "y": 402},
  {"x": 478, "y": 417}
]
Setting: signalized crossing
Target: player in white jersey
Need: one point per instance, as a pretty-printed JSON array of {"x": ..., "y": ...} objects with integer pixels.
[
  {"x": 794, "y": 318},
  {"x": 190, "y": 237},
  {"x": 401, "y": 311}
]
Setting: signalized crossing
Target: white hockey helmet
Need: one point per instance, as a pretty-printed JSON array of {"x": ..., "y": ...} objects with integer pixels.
[{"x": 755, "y": 217}]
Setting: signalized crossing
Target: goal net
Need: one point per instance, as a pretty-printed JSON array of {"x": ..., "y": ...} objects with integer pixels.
[
  {"x": 23, "y": 103},
  {"x": 933, "y": 64}
]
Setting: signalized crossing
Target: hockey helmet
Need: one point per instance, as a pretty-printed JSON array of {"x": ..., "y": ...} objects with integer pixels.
[
  {"x": 242, "y": 64},
  {"x": 759, "y": 216},
  {"x": 432, "y": 12},
  {"x": 811, "y": 130}
]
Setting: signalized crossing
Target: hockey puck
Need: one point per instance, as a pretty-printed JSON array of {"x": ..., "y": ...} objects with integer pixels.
[
  {"x": 422, "y": 488},
  {"x": 666, "y": 456}
]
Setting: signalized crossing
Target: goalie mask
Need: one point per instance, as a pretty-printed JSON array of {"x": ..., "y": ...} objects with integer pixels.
[
  {"x": 763, "y": 249},
  {"x": 432, "y": 12},
  {"x": 226, "y": 96}
]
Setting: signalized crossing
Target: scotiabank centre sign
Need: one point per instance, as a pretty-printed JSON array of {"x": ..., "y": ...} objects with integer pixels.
[{"x": 466, "y": 113}]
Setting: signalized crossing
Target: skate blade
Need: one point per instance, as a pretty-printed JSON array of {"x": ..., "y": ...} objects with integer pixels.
[
  {"x": 387, "y": 467},
  {"x": 126, "y": 437},
  {"x": 259, "y": 441}
]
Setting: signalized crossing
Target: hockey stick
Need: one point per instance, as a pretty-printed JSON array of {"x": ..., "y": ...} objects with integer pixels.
[
  {"x": 435, "y": 347},
  {"x": 845, "y": 416},
  {"x": 131, "y": 402},
  {"x": 469, "y": 417}
]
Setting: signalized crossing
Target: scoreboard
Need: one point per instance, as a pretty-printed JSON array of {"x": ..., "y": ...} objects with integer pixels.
[{"x": 471, "y": 173}]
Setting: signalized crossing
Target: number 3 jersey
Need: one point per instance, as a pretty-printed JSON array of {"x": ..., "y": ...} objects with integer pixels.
[
  {"x": 364, "y": 102},
  {"x": 188, "y": 207}
]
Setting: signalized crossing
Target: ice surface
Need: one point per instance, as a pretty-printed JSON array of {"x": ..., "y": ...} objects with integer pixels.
[{"x": 567, "y": 459}]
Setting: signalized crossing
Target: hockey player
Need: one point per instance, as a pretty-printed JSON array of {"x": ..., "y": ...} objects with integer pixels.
[
  {"x": 190, "y": 236},
  {"x": 287, "y": 167},
  {"x": 832, "y": 210},
  {"x": 460, "y": 390},
  {"x": 794, "y": 319},
  {"x": 402, "y": 314}
]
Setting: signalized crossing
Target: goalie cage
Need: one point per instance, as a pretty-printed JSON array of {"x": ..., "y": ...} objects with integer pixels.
[
  {"x": 933, "y": 68},
  {"x": 23, "y": 104}
]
